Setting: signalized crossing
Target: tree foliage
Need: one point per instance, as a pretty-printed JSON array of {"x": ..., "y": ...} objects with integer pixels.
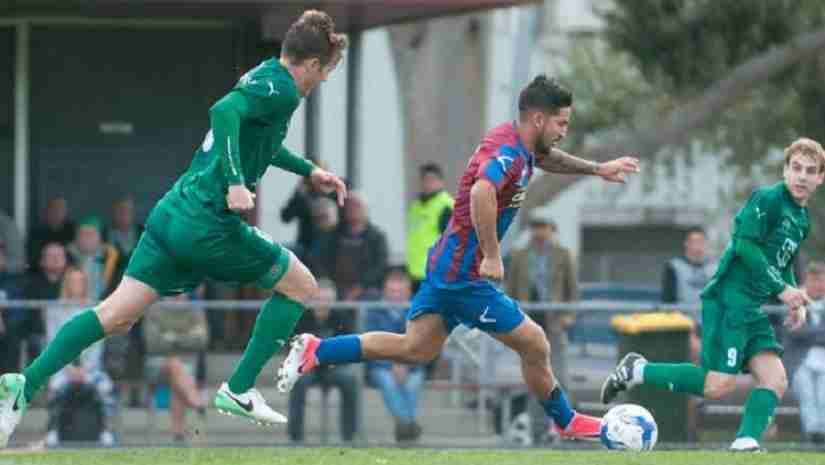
[
  {"x": 686, "y": 45},
  {"x": 681, "y": 47}
]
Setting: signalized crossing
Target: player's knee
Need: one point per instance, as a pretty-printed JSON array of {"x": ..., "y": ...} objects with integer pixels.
[
  {"x": 425, "y": 356},
  {"x": 719, "y": 385},
  {"x": 541, "y": 348},
  {"x": 303, "y": 289},
  {"x": 780, "y": 388},
  {"x": 778, "y": 383},
  {"x": 114, "y": 323},
  {"x": 536, "y": 347},
  {"x": 418, "y": 353},
  {"x": 117, "y": 326},
  {"x": 308, "y": 288}
]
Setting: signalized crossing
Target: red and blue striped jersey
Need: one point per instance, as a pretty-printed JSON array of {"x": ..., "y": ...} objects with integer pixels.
[{"x": 502, "y": 159}]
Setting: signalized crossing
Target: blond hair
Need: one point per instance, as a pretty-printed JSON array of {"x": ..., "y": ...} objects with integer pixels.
[
  {"x": 807, "y": 148},
  {"x": 313, "y": 36}
]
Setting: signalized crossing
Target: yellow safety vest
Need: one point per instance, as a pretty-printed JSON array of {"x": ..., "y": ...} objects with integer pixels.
[{"x": 423, "y": 231}]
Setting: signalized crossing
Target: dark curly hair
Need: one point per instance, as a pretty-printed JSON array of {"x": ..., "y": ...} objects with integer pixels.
[{"x": 545, "y": 94}]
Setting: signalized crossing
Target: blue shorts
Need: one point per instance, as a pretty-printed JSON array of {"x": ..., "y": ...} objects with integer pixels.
[{"x": 481, "y": 306}]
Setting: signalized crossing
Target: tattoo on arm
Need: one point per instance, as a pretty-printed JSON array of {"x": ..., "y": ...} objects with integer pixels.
[{"x": 558, "y": 161}]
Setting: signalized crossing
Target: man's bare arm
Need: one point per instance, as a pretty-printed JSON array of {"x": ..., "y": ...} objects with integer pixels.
[
  {"x": 559, "y": 161},
  {"x": 483, "y": 211}
]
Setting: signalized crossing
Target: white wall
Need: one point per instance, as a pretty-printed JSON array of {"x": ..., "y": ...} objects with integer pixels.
[
  {"x": 576, "y": 15},
  {"x": 332, "y": 128},
  {"x": 381, "y": 148},
  {"x": 501, "y": 90}
]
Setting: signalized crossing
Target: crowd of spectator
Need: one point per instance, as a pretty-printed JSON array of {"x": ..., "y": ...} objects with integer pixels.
[{"x": 72, "y": 264}]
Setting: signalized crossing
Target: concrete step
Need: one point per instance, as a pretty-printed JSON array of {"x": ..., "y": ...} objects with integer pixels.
[{"x": 437, "y": 417}]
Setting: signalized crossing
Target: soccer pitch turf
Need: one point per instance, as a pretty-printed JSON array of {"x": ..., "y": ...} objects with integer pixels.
[{"x": 336, "y": 456}]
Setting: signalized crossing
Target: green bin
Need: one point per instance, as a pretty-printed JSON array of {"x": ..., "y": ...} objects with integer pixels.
[{"x": 660, "y": 337}]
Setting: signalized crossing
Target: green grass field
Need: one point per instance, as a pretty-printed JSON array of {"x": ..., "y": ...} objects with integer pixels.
[{"x": 334, "y": 456}]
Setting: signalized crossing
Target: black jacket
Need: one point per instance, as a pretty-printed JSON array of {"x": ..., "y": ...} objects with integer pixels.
[{"x": 373, "y": 264}]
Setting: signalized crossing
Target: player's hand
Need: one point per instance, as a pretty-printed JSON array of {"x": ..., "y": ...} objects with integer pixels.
[
  {"x": 793, "y": 297},
  {"x": 615, "y": 170},
  {"x": 796, "y": 318},
  {"x": 239, "y": 199},
  {"x": 491, "y": 268},
  {"x": 327, "y": 182}
]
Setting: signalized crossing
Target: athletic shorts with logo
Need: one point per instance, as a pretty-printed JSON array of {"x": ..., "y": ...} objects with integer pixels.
[
  {"x": 733, "y": 333},
  {"x": 185, "y": 243},
  {"x": 477, "y": 305}
]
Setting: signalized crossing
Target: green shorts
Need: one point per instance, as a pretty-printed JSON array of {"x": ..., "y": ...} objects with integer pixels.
[
  {"x": 732, "y": 335},
  {"x": 184, "y": 244}
]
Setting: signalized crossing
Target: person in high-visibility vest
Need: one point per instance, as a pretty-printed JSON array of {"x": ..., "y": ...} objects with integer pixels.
[{"x": 427, "y": 218}]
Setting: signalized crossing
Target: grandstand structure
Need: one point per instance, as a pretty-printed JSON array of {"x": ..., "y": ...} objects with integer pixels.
[{"x": 81, "y": 83}]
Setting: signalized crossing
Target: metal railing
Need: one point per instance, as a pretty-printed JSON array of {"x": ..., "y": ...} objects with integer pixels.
[
  {"x": 587, "y": 306},
  {"x": 480, "y": 355}
]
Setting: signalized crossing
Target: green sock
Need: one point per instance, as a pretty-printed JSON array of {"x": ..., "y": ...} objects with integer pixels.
[
  {"x": 274, "y": 325},
  {"x": 758, "y": 413},
  {"x": 676, "y": 377},
  {"x": 83, "y": 330}
]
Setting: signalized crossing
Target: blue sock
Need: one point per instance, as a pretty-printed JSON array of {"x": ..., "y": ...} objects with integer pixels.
[
  {"x": 558, "y": 408},
  {"x": 339, "y": 349}
]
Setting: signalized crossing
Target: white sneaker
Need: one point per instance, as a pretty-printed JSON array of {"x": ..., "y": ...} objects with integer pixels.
[
  {"x": 746, "y": 445},
  {"x": 12, "y": 404},
  {"x": 107, "y": 439},
  {"x": 251, "y": 404},
  {"x": 52, "y": 438},
  {"x": 300, "y": 361}
]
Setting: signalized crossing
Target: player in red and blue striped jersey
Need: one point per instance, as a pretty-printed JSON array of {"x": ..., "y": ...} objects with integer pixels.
[
  {"x": 465, "y": 263},
  {"x": 504, "y": 162}
]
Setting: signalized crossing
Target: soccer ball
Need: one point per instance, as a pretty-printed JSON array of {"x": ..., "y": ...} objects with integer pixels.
[{"x": 629, "y": 427}]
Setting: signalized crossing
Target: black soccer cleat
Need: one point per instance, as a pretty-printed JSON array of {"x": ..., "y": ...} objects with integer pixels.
[{"x": 621, "y": 378}]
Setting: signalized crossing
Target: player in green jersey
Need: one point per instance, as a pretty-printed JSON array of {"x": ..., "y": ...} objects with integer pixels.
[
  {"x": 196, "y": 231},
  {"x": 756, "y": 269}
]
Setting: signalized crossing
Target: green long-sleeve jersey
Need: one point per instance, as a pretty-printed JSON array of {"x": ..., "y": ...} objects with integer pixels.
[
  {"x": 758, "y": 262},
  {"x": 248, "y": 127}
]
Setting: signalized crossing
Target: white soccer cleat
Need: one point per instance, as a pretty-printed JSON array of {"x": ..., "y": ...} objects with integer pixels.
[
  {"x": 300, "y": 361},
  {"x": 52, "y": 438},
  {"x": 746, "y": 444},
  {"x": 12, "y": 404},
  {"x": 251, "y": 405},
  {"x": 107, "y": 439}
]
